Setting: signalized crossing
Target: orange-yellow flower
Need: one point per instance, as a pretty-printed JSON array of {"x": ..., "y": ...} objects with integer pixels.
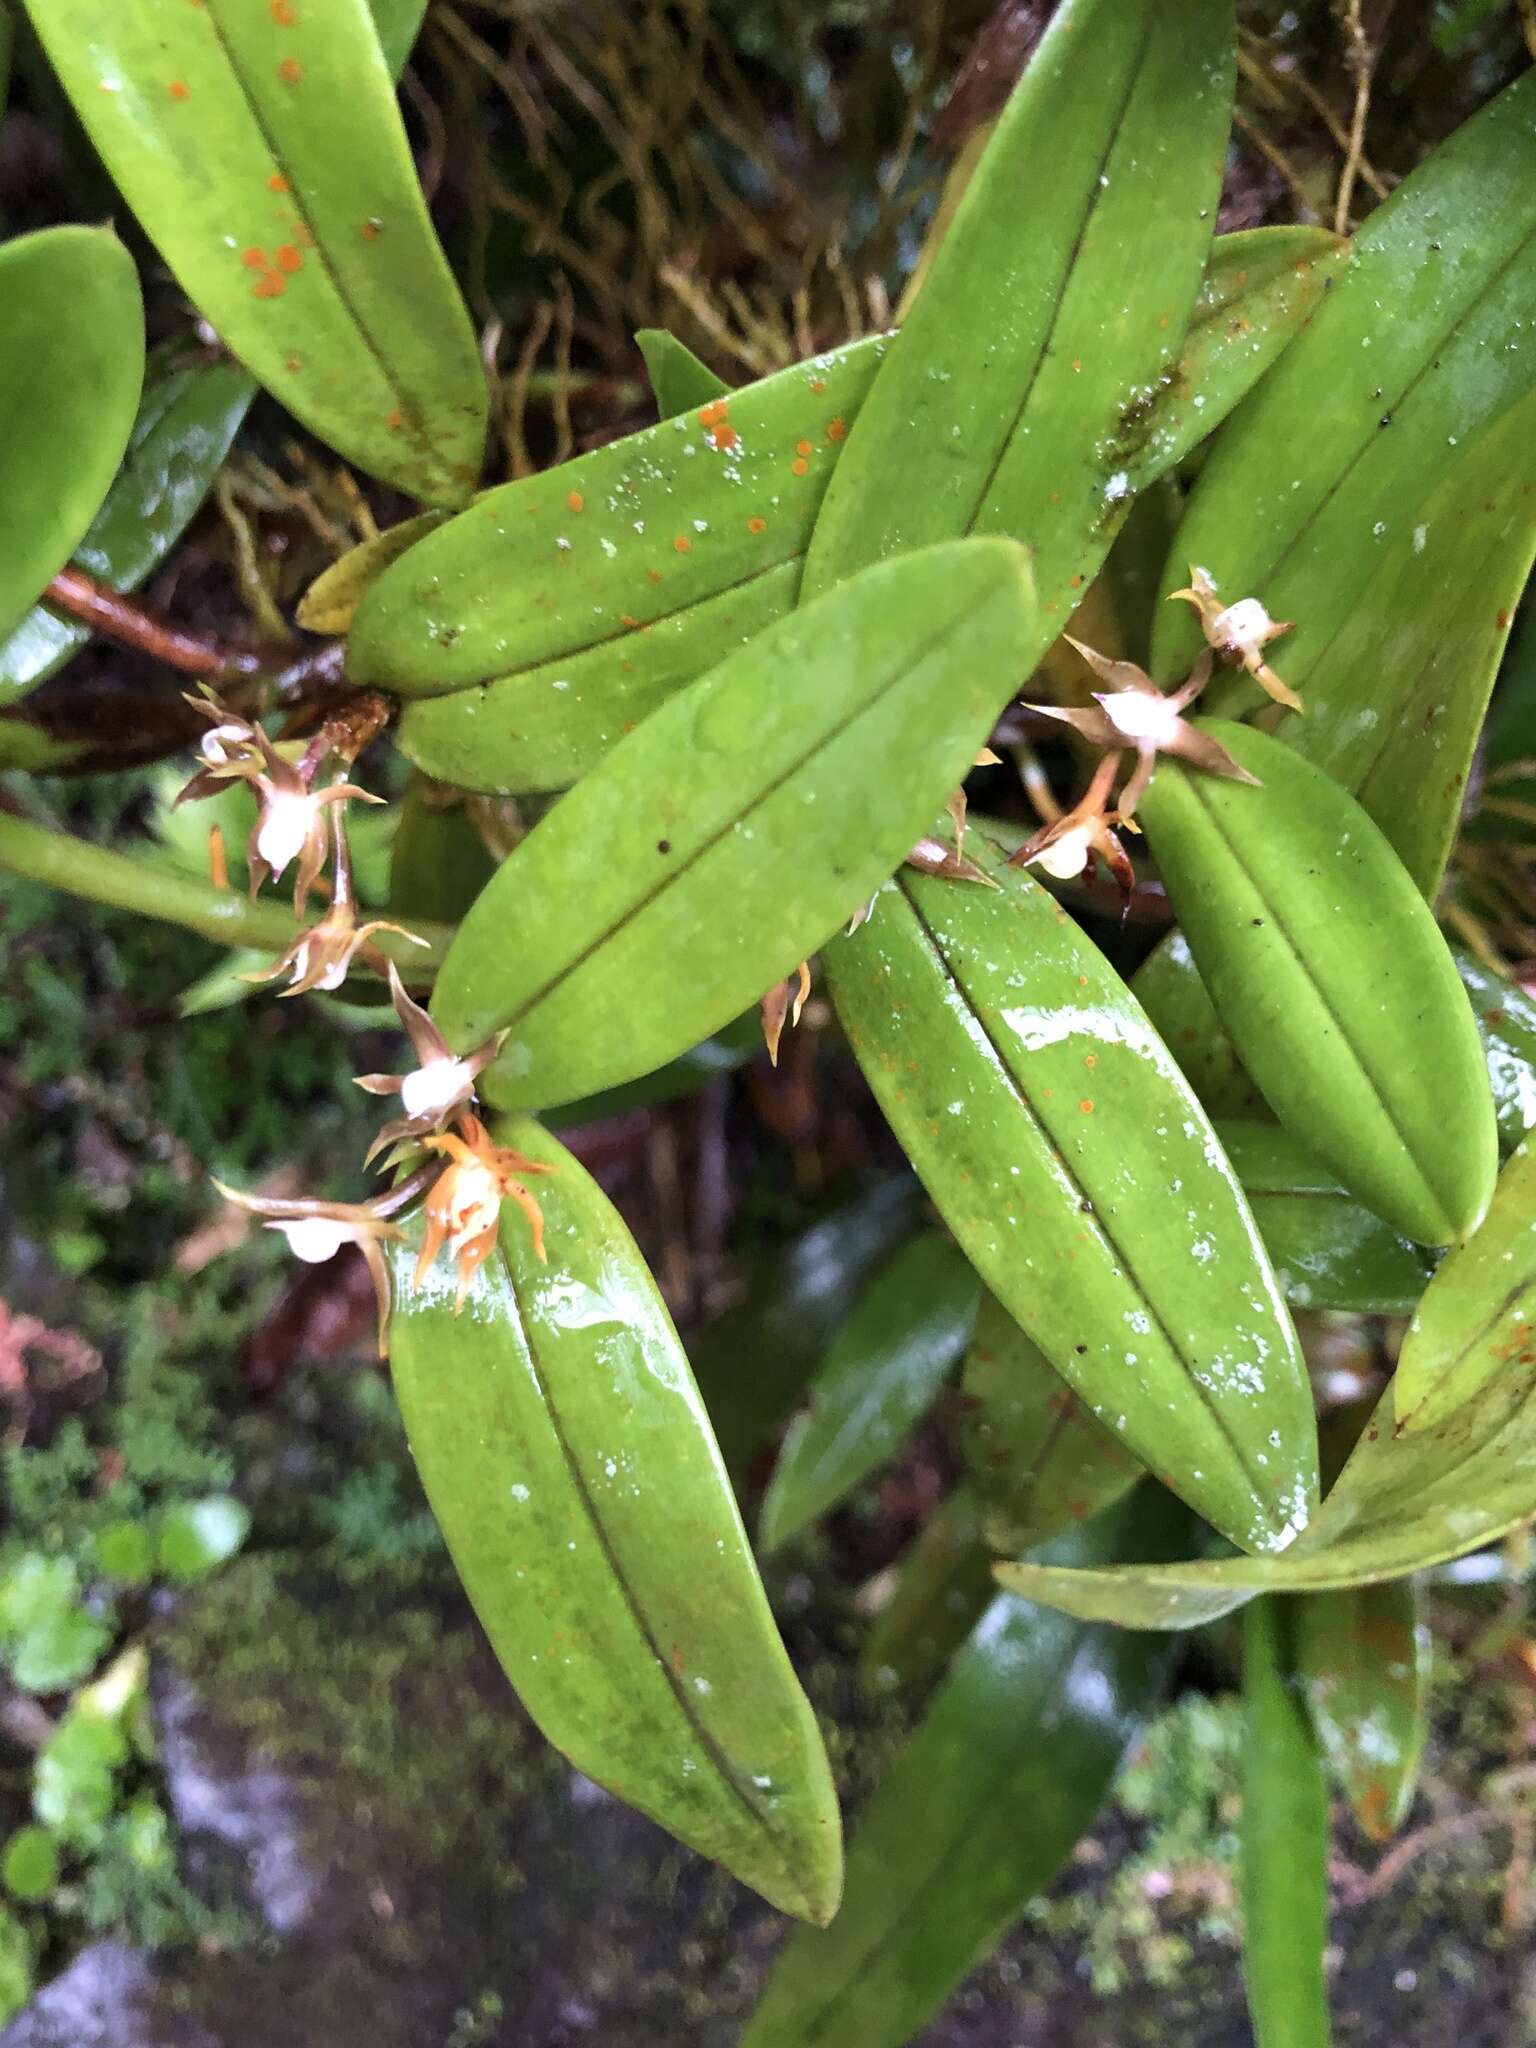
[{"x": 463, "y": 1205}]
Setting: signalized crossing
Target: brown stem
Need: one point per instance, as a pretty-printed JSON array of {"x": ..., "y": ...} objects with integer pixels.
[{"x": 107, "y": 611}]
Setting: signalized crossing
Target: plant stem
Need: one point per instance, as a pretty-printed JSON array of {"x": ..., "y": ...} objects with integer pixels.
[{"x": 100, "y": 875}]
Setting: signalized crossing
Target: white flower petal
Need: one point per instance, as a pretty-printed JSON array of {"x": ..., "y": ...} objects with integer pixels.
[
  {"x": 1067, "y": 856},
  {"x": 314, "y": 1239},
  {"x": 1245, "y": 626},
  {"x": 287, "y": 819},
  {"x": 434, "y": 1089},
  {"x": 1141, "y": 716}
]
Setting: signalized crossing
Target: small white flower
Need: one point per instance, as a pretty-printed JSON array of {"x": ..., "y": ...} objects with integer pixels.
[
  {"x": 1245, "y": 627},
  {"x": 1143, "y": 716},
  {"x": 314, "y": 1239},
  {"x": 432, "y": 1090},
  {"x": 224, "y": 743},
  {"x": 1066, "y": 857},
  {"x": 289, "y": 818}
]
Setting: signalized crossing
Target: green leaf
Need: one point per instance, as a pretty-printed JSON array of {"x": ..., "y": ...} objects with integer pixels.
[
  {"x": 30, "y": 1867},
  {"x": 52, "y": 1641},
  {"x": 18, "y": 1973},
  {"x": 439, "y": 863},
  {"x": 1364, "y": 1657},
  {"x": 558, "y": 630},
  {"x": 1167, "y": 984},
  {"x": 189, "y": 415},
  {"x": 1169, "y": 988},
  {"x": 1284, "y": 1845},
  {"x": 1409, "y": 356},
  {"x": 753, "y": 1361},
  {"x": 197, "y": 1536},
  {"x": 722, "y": 1053},
  {"x": 263, "y": 152},
  {"x": 680, "y": 381},
  {"x": 567, "y": 1457},
  {"x": 1026, "y": 375},
  {"x": 1326, "y": 968},
  {"x": 1327, "y": 1252},
  {"x": 396, "y": 23},
  {"x": 943, "y": 1588},
  {"x": 1395, "y": 702},
  {"x": 1404, "y": 1501},
  {"x": 1066, "y": 1152},
  {"x": 331, "y": 602},
  {"x": 124, "y": 1551},
  {"x": 890, "y": 1359},
  {"x": 734, "y": 833},
  {"x": 1038, "y": 1460},
  {"x": 979, "y": 1812},
  {"x": 1476, "y": 1317},
  {"x": 71, "y": 367}
]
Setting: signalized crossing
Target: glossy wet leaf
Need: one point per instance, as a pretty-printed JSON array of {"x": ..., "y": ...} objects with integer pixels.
[
  {"x": 752, "y": 1362},
  {"x": 331, "y": 602},
  {"x": 262, "y": 150},
  {"x": 1332, "y": 980},
  {"x": 687, "y": 538},
  {"x": 1285, "y": 1843},
  {"x": 737, "y": 830},
  {"x": 1169, "y": 988},
  {"x": 880, "y": 1377},
  {"x": 711, "y": 1060},
  {"x": 1478, "y": 1318},
  {"x": 1363, "y": 1657},
  {"x": 680, "y": 381},
  {"x": 1404, "y": 1501},
  {"x": 1003, "y": 1776},
  {"x": 1328, "y": 1253},
  {"x": 197, "y": 1536},
  {"x": 1409, "y": 357},
  {"x": 71, "y": 369},
  {"x": 188, "y": 416},
  {"x": 568, "y": 1459},
  {"x": 1038, "y": 1460},
  {"x": 1395, "y": 703},
  {"x": 1026, "y": 377},
  {"x": 1070, "y": 1159},
  {"x": 943, "y": 1587}
]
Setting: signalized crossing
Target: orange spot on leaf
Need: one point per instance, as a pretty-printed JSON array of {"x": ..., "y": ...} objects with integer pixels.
[
  {"x": 1086, "y": 1106},
  {"x": 179, "y": 89},
  {"x": 837, "y": 429},
  {"x": 370, "y": 230},
  {"x": 757, "y": 524},
  {"x": 802, "y": 447},
  {"x": 285, "y": 14},
  {"x": 289, "y": 258},
  {"x": 682, "y": 544},
  {"x": 395, "y": 420},
  {"x": 277, "y": 182},
  {"x": 575, "y": 500},
  {"x": 799, "y": 465},
  {"x": 290, "y": 71}
]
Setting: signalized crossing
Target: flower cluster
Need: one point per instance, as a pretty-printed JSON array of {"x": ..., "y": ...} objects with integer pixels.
[
  {"x": 1131, "y": 715},
  {"x": 447, "y": 1158}
]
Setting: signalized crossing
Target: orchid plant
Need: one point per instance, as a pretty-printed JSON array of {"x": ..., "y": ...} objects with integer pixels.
[{"x": 785, "y": 692}]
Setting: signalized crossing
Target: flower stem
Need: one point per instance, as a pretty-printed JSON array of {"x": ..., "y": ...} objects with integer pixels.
[{"x": 95, "y": 872}]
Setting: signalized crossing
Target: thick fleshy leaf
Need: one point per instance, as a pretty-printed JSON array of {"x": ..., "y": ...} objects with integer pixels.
[
  {"x": 261, "y": 148},
  {"x": 722, "y": 1053},
  {"x": 1409, "y": 356},
  {"x": 1363, "y": 1657},
  {"x": 1071, "y": 1160},
  {"x": 188, "y": 416},
  {"x": 879, "y": 1379},
  {"x": 680, "y": 381},
  {"x": 1026, "y": 375},
  {"x": 1404, "y": 1501},
  {"x": 731, "y": 836},
  {"x": 330, "y": 604},
  {"x": 71, "y": 369},
  {"x": 1169, "y": 988},
  {"x": 438, "y": 863},
  {"x": 396, "y": 23},
  {"x": 943, "y": 1588},
  {"x": 568, "y": 1460},
  {"x": 622, "y": 575},
  {"x": 1478, "y": 1318},
  {"x": 980, "y": 1810},
  {"x": 1395, "y": 702},
  {"x": 752, "y": 1363},
  {"x": 1327, "y": 1252},
  {"x": 1329, "y": 974},
  {"x": 1284, "y": 1862},
  {"x": 1038, "y": 1460}
]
